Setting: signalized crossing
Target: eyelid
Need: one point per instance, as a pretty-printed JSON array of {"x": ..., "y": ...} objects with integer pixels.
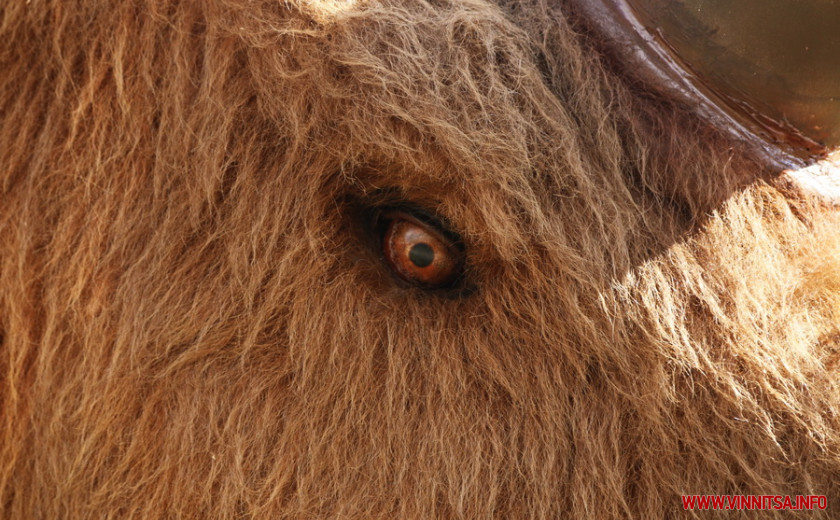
[
  {"x": 424, "y": 221},
  {"x": 422, "y": 217}
]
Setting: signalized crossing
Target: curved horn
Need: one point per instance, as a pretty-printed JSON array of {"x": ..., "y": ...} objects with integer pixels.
[{"x": 768, "y": 73}]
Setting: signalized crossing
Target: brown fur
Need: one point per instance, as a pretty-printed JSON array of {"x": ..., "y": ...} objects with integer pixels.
[{"x": 194, "y": 323}]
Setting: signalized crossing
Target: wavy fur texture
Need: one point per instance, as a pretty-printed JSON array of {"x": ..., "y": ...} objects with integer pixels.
[{"x": 194, "y": 324}]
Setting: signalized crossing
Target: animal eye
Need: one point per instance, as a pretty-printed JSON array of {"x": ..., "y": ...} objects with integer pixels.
[{"x": 419, "y": 253}]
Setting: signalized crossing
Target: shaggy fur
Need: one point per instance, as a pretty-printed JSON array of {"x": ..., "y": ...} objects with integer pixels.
[{"x": 194, "y": 322}]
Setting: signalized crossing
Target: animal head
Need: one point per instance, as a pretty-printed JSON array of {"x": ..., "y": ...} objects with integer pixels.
[{"x": 209, "y": 305}]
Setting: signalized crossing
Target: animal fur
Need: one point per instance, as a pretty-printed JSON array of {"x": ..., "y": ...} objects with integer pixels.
[{"x": 194, "y": 323}]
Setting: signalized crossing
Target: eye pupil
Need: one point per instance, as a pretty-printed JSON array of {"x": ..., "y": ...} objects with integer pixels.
[{"x": 421, "y": 254}]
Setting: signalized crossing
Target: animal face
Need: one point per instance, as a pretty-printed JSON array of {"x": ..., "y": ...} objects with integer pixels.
[{"x": 212, "y": 303}]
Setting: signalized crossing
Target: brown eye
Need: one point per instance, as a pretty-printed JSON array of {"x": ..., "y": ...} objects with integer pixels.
[{"x": 418, "y": 253}]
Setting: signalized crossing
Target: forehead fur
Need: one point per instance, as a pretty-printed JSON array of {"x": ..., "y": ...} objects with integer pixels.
[{"x": 194, "y": 321}]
